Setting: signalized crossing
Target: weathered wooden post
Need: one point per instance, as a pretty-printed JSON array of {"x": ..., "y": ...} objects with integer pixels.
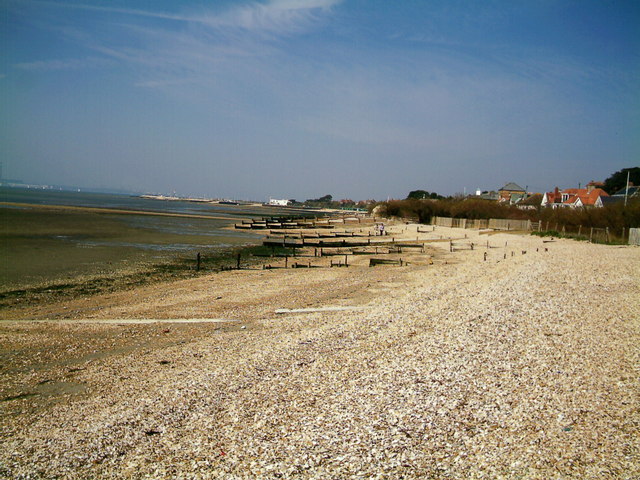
[
  {"x": 591, "y": 236},
  {"x": 286, "y": 261},
  {"x": 238, "y": 262},
  {"x": 485, "y": 256},
  {"x": 579, "y": 230},
  {"x": 606, "y": 230},
  {"x": 198, "y": 262},
  {"x": 451, "y": 245},
  {"x": 346, "y": 262}
]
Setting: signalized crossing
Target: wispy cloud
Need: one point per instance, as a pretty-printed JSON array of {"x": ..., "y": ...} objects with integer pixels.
[
  {"x": 66, "y": 64},
  {"x": 192, "y": 45},
  {"x": 97, "y": 8},
  {"x": 275, "y": 16}
]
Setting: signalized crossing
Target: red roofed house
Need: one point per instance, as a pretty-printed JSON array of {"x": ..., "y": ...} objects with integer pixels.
[
  {"x": 551, "y": 199},
  {"x": 575, "y": 197}
]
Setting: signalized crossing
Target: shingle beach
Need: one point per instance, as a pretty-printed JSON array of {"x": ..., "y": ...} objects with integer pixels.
[{"x": 521, "y": 366}]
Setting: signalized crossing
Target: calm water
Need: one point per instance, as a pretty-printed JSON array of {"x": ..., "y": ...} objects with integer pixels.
[
  {"x": 127, "y": 202},
  {"x": 41, "y": 245},
  {"x": 222, "y": 215}
]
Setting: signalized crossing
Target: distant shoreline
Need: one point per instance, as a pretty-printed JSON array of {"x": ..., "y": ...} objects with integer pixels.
[{"x": 116, "y": 211}]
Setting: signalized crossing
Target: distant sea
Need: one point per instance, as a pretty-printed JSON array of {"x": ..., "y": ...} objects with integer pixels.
[
  {"x": 47, "y": 245},
  {"x": 39, "y": 196}
]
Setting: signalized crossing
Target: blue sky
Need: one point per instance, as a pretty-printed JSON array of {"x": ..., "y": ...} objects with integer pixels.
[{"x": 297, "y": 99}]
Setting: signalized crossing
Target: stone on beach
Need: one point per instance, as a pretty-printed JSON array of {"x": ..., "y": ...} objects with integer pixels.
[{"x": 520, "y": 366}]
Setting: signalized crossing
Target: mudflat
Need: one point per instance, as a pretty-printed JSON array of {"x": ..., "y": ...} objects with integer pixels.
[
  {"x": 515, "y": 359},
  {"x": 57, "y": 250}
]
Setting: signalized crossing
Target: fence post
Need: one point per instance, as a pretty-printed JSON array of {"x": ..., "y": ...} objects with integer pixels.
[
  {"x": 591, "y": 235},
  {"x": 607, "y": 233}
]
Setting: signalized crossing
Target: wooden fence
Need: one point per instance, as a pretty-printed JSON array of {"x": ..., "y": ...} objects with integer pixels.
[
  {"x": 592, "y": 234},
  {"x": 494, "y": 223}
]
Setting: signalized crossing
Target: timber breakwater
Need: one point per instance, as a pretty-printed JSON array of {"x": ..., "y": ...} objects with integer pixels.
[{"x": 304, "y": 242}]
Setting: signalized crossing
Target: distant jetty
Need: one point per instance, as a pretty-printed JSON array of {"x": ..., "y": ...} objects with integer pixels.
[{"x": 218, "y": 201}]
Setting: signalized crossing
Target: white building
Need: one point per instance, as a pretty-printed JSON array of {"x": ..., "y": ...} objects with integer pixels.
[{"x": 278, "y": 203}]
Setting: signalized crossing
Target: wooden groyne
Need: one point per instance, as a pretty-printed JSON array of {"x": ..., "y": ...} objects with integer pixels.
[{"x": 328, "y": 222}]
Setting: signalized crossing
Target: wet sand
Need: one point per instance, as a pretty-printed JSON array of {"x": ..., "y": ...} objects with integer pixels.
[
  {"x": 51, "y": 251},
  {"x": 523, "y": 365}
]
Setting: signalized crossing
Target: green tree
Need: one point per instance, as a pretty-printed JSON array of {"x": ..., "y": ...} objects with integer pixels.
[
  {"x": 418, "y": 194},
  {"x": 618, "y": 180},
  {"x": 422, "y": 194}
]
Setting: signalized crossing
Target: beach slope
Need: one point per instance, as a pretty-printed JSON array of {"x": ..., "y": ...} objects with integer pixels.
[{"x": 514, "y": 359}]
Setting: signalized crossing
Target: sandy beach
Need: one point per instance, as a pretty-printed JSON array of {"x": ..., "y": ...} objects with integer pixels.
[{"x": 516, "y": 359}]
